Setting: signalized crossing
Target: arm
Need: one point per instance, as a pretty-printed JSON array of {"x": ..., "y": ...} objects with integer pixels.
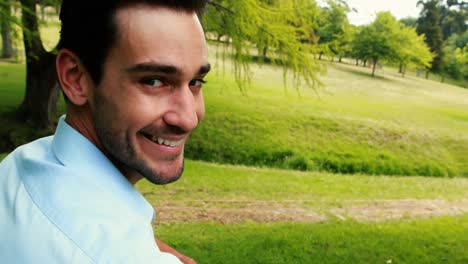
[{"x": 166, "y": 248}]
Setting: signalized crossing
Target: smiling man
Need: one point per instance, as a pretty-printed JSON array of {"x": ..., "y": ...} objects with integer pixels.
[{"x": 132, "y": 73}]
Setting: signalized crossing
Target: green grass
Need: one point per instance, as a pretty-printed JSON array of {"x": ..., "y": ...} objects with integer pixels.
[
  {"x": 358, "y": 124},
  {"x": 406, "y": 241},
  {"x": 12, "y": 78},
  {"x": 410, "y": 240},
  {"x": 439, "y": 240},
  {"x": 318, "y": 191}
]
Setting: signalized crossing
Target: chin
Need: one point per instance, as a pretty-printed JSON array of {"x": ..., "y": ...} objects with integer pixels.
[{"x": 165, "y": 174}]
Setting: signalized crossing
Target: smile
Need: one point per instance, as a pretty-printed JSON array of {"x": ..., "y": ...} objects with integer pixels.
[{"x": 166, "y": 142}]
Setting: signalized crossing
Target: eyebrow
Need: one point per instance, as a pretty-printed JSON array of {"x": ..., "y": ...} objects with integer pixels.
[{"x": 166, "y": 69}]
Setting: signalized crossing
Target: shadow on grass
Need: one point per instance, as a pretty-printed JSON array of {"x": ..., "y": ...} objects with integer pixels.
[
  {"x": 357, "y": 70},
  {"x": 15, "y": 133}
]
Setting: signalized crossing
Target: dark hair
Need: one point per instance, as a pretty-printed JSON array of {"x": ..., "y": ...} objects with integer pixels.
[{"x": 89, "y": 28}]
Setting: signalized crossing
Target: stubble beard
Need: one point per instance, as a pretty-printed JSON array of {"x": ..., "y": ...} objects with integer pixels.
[{"x": 118, "y": 145}]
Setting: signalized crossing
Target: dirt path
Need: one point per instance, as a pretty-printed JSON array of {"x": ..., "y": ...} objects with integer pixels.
[{"x": 233, "y": 211}]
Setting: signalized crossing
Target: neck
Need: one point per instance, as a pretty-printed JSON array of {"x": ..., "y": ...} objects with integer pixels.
[{"x": 81, "y": 119}]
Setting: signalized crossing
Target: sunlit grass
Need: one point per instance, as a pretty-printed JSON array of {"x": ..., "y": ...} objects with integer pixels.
[
  {"x": 355, "y": 123},
  {"x": 204, "y": 181},
  {"x": 440, "y": 240}
]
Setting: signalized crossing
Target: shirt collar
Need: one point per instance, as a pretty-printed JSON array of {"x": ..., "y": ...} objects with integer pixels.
[{"x": 76, "y": 152}]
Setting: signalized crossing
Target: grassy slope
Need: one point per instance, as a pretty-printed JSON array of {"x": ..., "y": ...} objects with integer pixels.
[
  {"x": 202, "y": 181},
  {"x": 357, "y": 124}
]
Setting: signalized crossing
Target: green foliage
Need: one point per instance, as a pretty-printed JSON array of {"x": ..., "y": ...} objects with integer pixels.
[
  {"x": 439, "y": 240},
  {"x": 412, "y": 49},
  {"x": 409, "y": 21},
  {"x": 334, "y": 30},
  {"x": 377, "y": 41},
  {"x": 455, "y": 61},
  {"x": 453, "y": 17},
  {"x": 429, "y": 25},
  {"x": 281, "y": 29}
]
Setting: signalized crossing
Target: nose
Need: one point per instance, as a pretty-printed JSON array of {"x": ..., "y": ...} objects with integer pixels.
[{"x": 185, "y": 109}]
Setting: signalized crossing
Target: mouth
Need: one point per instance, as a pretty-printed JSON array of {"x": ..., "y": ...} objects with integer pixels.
[{"x": 164, "y": 141}]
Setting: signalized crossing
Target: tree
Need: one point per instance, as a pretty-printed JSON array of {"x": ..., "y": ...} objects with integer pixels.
[
  {"x": 283, "y": 29},
  {"x": 453, "y": 18},
  {"x": 40, "y": 100},
  {"x": 6, "y": 32},
  {"x": 409, "y": 21},
  {"x": 455, "y": 61},
  {"x": 377, "y": 41},
  {"x": 429, "y": 24},
  {"x": 412, "y": 49},
  {"x": 334, "y": 28}
]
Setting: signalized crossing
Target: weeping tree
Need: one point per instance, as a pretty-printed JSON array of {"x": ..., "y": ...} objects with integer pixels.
[{"x": 285, "y": 30}]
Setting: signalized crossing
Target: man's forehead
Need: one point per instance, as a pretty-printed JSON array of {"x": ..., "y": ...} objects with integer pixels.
[
  {"x": 161, "y": 40},
  {"x": 132, "y": 12}
]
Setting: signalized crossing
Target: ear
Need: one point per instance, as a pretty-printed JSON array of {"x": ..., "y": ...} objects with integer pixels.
[{"x": 73, "y": 77}]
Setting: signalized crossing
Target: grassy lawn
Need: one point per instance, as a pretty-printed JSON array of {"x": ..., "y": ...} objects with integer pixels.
[
  {"x": 408, "y": 239},
  {"x": 439, "y": 240},
  {"x": 214, "y": 182},
  {"x": 12, "y": 78}
]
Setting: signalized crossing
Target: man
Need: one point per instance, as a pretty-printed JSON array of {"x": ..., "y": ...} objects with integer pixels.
[{"x": 132, "y": 73}]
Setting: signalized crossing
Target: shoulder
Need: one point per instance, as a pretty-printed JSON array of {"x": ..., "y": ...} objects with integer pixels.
[{"x": 28, "y": 235}]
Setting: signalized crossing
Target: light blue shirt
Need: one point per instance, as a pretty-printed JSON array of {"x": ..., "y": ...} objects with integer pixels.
[{"x": 63, "y": 201}]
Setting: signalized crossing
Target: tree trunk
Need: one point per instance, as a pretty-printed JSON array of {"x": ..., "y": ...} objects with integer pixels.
[
  {"x": 427, "y": 74},
  {"x": 264, "y": 54},
  {"x": 43, "y": 13},
  {"x": 320, "y": 55},
  {"x": 340, "y": 59},
  {"x": 41, "y": 96},
  {"x": 365, "y": 63},
  {"x": 374, "y": 63},
  {"x": 5, "y": 24},
  {"x": 357, "y": 62}
]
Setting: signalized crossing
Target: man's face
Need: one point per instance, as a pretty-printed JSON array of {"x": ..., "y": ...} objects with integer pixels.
[{"x": 150, "y": 99}]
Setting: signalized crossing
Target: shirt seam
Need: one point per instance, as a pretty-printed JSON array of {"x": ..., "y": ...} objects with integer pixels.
[{"x": 56, "y": 225}]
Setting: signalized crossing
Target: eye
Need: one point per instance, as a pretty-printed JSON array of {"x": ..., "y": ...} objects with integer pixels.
[
  {"x": 197, "y": 83},
  {"x": 153, "y": 82}
]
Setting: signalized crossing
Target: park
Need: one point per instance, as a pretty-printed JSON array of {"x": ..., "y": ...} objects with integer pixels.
[{"x": 337, "y": 156}]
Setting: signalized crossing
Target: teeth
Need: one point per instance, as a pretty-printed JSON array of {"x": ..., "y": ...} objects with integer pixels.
[{"x": 162, "y": 141}]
